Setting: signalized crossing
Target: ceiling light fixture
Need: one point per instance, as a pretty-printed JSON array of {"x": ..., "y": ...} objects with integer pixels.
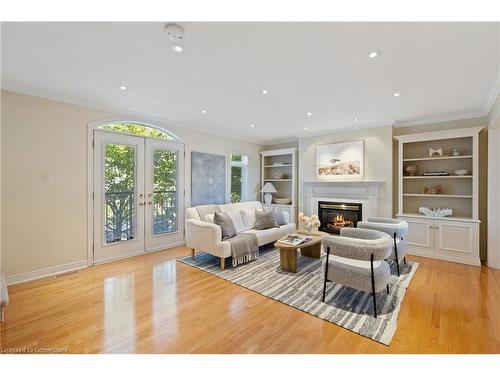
[
  {"x": 397, "y": 94},
  {"x": 252, "y": 126},
  {"x": 122, "y": 87},
  {"x": 356, "y": 119},
  {"x": 373, "y": 54},
  {"x": 204, "y": 111},
  {"x": 309, "y": 113},
  {"x": 306, "y": 128},
  {"x": 265, "y": 92},
  {"x": 177, "y": 48}
]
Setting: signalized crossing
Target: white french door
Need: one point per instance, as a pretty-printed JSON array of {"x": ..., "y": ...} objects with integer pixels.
[{"x": 138, "y": 195}]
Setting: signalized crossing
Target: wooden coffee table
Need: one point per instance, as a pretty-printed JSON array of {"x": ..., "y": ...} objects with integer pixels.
[{"x": 288, "y": 253}]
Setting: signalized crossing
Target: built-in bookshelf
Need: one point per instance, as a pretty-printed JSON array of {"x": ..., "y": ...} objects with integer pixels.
[
  {"x": 453, "y": 237},
  {"x": 279, "y": 167}
]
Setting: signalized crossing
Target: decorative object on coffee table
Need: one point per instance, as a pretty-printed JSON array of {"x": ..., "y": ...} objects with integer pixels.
[
  {"x": 436, "y": 212},
  {"x": 268, "y": 189},
  {"x": 309, "y": 223},
  {"x": 288, "y": 253},
  {"x": 435, "y": 152},
  {"x": 412, "y": 169}
]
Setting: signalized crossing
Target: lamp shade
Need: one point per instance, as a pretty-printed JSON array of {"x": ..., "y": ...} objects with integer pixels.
[{"x": 268, "y": 188}]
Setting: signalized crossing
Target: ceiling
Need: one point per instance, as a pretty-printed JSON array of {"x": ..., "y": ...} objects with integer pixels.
[{"x": 442, "y": 70}]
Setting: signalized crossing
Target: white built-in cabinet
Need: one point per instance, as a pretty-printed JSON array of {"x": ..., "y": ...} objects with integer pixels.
[
  {"x": 453, "y": 238},
  {"x": 282, "y": 162}
]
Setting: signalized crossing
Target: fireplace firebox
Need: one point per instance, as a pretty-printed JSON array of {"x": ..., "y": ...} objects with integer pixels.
[{"x": 337, "y": 215}]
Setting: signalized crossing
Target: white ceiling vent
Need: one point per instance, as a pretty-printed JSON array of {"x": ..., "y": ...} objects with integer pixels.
[{"x": 174, "y": 32}]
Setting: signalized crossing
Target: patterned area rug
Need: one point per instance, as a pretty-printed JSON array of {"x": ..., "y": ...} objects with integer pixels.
[{"x": 345, "y": 307}]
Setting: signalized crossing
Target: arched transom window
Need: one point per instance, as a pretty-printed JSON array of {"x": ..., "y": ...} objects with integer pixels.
[{"x": 140, "y": 129}]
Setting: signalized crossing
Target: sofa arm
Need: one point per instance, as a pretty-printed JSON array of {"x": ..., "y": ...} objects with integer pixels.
[{"x": 201, "y": 235}]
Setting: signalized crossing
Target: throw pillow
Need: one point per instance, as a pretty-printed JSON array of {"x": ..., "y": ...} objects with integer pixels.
[
  {"x": 264, "y": 220},
  {"x": 279, "y": 217},
  {"x": 224, "y": 222},
  {"x": 248, "y": 218},
  {"x": 237, "y": 222}
]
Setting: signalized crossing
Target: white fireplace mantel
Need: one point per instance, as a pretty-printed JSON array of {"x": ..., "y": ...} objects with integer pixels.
[{"x": 366, "y": 193}]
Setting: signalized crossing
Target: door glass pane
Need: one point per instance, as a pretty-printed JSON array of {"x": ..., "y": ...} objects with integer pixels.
[
  {"x": 165, "y": 191},
  {"x": 119, "y": 191}
]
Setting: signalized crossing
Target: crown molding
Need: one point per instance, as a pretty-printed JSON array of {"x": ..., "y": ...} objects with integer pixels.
[
  {"x": 492, "y": 97},
  {"x": 116, "y": 111},
  {"x": 438, "y": 119}
]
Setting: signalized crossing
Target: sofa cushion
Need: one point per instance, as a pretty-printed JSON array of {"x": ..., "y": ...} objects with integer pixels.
[
  {"x": 226, "y": 224},
  {"x": 207, "y": 210},
  {"x": 248, "y": 218},
  {"x": 264, "y": 220}
]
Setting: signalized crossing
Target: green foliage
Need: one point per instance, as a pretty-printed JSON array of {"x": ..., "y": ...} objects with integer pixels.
[
  {"x": 236, "y": 180},
  {"x": 137, "y": 129}
]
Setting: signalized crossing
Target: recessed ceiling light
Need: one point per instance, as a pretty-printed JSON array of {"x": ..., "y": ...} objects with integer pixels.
[
  {"x": 306, "y": 128},
  {"x": 265, "y": 92},
  {"x": 122, "y": 87},
  {"x": 396, "y": 94},
  {"x": 373, "y": 54},
  {"x": 177, "y": 48},
  {"x": 204, "y": 111},
  {"x": 309, "y": 113},
  {"x": 356, "y": 119},
  {"x": 252, "y": 126}
]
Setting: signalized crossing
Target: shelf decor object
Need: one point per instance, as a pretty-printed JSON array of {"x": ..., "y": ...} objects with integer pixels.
[
  {"x": 279, "y": 167},
  {"x": 268, "y": 189},
  {"x": 343, "y": 160},
  {"x": 450, "y": 231},
  {"x": 436, "y": 212}
]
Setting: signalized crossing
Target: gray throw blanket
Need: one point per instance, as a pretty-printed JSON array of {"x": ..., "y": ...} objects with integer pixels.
[{"x": 244, "y": 248}]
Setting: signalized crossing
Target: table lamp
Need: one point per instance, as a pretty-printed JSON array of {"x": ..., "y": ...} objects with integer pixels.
[{"x": 268, "y": 188}]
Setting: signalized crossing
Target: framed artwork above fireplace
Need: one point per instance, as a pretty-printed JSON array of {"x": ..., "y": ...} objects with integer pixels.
[{"x": 340, "y": 161}]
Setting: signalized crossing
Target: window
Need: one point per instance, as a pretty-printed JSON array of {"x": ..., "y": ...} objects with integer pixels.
[
  {"x": 239, "y": 178},
  {"x": 138, "y": 128}
]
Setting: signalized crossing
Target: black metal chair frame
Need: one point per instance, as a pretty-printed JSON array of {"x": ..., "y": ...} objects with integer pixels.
[
  {"x": 396, "y": 253},
  {"x": 372, "y": 277}
]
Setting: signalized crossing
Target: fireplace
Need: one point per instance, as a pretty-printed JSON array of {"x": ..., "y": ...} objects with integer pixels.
[{"x": 337, "y": 215}]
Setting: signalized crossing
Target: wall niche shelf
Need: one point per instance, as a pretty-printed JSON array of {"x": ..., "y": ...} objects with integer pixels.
[
  {"x": 286, "y": 167},
  {"x": 439, "y": 158},
  {"x": 453, "y": 238}
]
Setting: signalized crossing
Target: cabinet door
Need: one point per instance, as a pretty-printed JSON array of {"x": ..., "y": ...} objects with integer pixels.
[
  {"x": 458, "y": 239},
  {"x": 420, "y": 234}
]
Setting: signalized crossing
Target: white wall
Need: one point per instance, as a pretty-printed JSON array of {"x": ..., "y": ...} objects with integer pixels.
[
  {"x": 45, "y": 224},
  {"x": 378, "y": 160},
  {"x": 494, "y": 186}
]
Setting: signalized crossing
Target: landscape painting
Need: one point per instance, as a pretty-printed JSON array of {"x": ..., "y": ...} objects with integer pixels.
[{"x": 341, "y": 160}]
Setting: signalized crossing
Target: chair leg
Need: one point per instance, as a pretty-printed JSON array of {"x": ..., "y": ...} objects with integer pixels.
[
  {"x": 404, "y": 260},
  {"x": 387, "y": 288},
  {"x": 326, "y": 272},
  {"x": 396, "y": 253},
  {"x": 373, "y": 288},
  {"x": 222, "y": 263},
  {"x": 2, "y": 313},
  {"x": 192, "y": 253}
]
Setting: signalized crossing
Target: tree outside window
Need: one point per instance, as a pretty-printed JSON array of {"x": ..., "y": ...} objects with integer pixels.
[{"x": 239, "y": 178}]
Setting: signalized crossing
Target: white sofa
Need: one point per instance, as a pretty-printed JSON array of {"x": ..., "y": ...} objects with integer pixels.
[{"x": 203, "y": 235}]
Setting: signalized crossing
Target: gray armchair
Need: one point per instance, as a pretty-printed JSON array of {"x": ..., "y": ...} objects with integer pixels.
[
  {"x": 397, "y": 229},
  {"x": 356, "y": 259}
]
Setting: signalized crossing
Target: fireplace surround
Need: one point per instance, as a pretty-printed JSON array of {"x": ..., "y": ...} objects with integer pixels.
[{"x": 337, "y": 215}]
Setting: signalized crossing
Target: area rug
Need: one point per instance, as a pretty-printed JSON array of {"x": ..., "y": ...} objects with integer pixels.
[{"x": 343, "y": 306}]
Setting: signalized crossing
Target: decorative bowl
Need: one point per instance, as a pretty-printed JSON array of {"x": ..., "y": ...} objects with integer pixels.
[
  {"x": 411, "y": 169},
  {"x": 279, "y": 176},
  {"x": 462, "y": 172},
  {"x": 286, "y": 200}
]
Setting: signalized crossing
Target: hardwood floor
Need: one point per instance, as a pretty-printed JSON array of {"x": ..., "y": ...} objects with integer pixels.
[{"x": 153, "y": 304}]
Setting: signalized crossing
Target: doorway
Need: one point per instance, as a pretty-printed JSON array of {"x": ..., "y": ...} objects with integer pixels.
[{"x": 138, "y": 195}]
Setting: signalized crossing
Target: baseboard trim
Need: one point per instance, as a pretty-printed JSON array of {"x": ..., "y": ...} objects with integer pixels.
[
  {"x": 45, "y": 272},
  {"x": 469, "y": 261}
]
